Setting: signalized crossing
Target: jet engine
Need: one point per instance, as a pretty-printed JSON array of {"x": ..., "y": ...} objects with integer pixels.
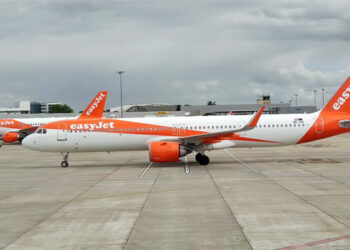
[
  {"x": 11, "y": 137},
  {"x": 167, "y": 151}
]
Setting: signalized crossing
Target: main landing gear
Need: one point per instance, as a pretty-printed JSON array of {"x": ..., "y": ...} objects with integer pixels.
[
  {"x": 202, "y": 159},
  {"x": 64, "y": 163}
]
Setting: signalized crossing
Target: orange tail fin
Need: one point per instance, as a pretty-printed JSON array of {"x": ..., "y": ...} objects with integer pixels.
[
  {"x": 339, "y": 102},
  {"x": 96, "y": 107}
]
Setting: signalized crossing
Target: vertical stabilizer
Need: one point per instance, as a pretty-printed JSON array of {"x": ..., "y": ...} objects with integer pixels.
[
  {"x": 96, "y": 107},
  {"x": 340, "y": 101}
]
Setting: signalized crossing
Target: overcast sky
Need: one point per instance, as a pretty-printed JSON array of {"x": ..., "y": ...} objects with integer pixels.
[{"x": 177, "y": 52}]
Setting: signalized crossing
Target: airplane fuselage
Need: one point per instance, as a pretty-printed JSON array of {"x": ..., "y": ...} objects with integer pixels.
[{"x": 137, "y": 133}]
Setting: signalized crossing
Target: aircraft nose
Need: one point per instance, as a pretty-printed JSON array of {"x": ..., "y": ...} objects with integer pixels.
[{"x": 29, "y": 142}]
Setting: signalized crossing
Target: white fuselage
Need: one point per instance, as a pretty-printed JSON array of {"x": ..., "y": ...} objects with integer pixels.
[{"x": 271, "y": 130}]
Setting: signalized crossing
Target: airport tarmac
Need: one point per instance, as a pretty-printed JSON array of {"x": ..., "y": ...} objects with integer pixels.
[{"x": 261, "y": 198}]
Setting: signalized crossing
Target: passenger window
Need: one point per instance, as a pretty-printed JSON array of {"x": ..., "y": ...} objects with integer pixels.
[
  {"x": 268, "y": 125},
  {"x": 146, "y": 129},
  {"x": 230, "y": 126}
]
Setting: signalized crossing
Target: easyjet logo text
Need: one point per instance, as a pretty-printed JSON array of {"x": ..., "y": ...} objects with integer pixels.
[
  {"x": 92, "y": 126},
  {"x": 95, "y": 104},
  {"x": 341, "y": 100},
  {"x": 6, "y": 123}
]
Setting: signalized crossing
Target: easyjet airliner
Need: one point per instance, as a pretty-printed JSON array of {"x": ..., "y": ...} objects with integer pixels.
[
  {"x": 13, "y": 130},
  {"x": 169, "y": 138}
]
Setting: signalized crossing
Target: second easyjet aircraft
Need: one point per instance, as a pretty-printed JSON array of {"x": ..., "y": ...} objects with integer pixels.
[
  {"x": 16, "y": 129},
  {"x": 168, "y": 139}
]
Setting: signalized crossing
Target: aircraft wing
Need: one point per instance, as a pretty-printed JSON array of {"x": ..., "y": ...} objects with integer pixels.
[{"x": 197, "y": 139}]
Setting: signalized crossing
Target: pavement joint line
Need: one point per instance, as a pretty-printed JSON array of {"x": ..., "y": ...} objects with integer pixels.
[
  {"x": 242, "y": 162},
  {"x": 313, "y": 243},
  {"x": 145, "y": 171},
  {"x": 320, "y": 175},
  {"x": 313, "y": 205},
  {"x": 298, "y": 195},
  {"x": 143, "y": 206},
  {"x": 26, "y": 188},
  {"x": 228, "y": 207},
  {"x": 60, "y": 207}
]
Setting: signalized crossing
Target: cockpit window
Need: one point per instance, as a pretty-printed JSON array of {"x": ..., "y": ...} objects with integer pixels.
[
  {"x": 44, "y": 131},
  {"x": 40, "y": 131}
]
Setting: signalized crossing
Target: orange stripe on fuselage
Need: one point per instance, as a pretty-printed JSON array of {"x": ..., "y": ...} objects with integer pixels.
[
  {"x": 13, "y": 124},
  {"x": 127, "y": 127},
  {"x": 330, "y": 126}
]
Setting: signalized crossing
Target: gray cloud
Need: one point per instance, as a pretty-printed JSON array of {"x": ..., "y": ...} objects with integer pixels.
[{"x": 172, "y": 51}]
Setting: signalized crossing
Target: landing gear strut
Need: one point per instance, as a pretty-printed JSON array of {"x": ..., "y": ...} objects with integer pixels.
[
  {"x": 64, "y": 163},
  {"x": 202, "y": 159}
]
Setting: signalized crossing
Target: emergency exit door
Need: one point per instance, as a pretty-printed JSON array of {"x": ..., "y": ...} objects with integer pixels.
[
  {"x": 319, "y": 125},
  {"x": 62, "y": 132}
]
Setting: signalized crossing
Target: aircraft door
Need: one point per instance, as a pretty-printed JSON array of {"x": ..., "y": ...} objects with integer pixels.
[
  {"x": 319, "y": 125},
  {"x": 62, "y": 132}
]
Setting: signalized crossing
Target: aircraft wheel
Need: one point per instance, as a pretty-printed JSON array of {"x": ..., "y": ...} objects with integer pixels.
[
  {"x": 204, "y": 160},
  {"x": 198, "y": 157},
  {"x": 64, "y": 164}
]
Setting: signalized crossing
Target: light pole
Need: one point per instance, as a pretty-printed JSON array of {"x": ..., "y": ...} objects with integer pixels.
[
  {"x": 121, "y": 93},
  {"x": 323, "y": 97},
  {"x": 296, "y": 100},
  {"x": 315, "y": 91}
]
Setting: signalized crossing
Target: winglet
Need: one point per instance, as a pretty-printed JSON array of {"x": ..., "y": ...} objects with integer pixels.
[
  {"x": 252, "y": 123},
  {"x": 96, "y": 107}
]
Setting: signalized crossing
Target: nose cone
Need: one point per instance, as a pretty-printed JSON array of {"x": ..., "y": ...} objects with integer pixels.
[{"x": 29, "y": 142}]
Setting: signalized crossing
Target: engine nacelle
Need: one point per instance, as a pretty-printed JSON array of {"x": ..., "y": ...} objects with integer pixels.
[
  {"x": 166, "y": 151},
  {"x": 10, "y": 137}
]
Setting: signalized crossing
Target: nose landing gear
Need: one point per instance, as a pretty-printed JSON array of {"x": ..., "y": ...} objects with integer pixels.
[
  {"x": 64, "y": 163},
  {"x": 202, "y": 159}
]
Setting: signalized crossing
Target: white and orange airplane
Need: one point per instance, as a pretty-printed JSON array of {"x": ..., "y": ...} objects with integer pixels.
[
  {"x": 169, "y": 138},
  {"x": 16, "y": 129}
]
